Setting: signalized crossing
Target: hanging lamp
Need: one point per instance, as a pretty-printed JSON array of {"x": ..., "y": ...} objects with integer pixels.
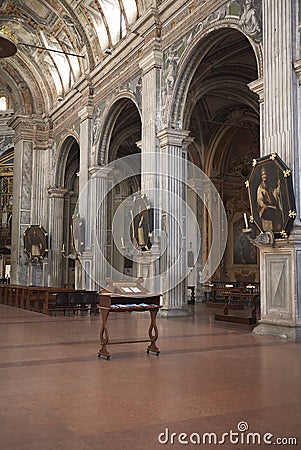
[{"x": 9, "y": 43}]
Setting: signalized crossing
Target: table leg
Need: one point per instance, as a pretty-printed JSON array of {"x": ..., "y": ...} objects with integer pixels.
[
  {"x": 104, "y": 334},
  {"x": 153, "y": 332},
  {"x": 254, "y": 300},
  {"x": 226, "y": 307}
]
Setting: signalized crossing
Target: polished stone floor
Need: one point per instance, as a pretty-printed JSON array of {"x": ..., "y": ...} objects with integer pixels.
[{"x": 210, "y": 377}]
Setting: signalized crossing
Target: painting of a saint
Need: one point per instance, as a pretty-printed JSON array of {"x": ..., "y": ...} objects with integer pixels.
[
  {"x": 141, "y": 224},
  {"x": 35, "y": 242},
  {"x": 244, "y": 253},
  {"x": 271, "y": 195}
]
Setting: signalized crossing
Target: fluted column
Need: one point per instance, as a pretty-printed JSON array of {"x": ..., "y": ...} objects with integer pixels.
[
  {"x": 56, "y": 214},
  {"x": 280, "y": 80},
  {"x": 173, "y": 178},
  {"x": 100, "y": 186},
  {"x": 151, "y": 66},
  {"x": 280, "y": 268}
]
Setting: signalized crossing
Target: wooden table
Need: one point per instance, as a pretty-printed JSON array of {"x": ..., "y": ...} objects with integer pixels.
[{"x": 111, "y": 302}]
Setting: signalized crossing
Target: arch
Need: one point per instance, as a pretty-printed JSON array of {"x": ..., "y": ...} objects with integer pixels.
[
  {"x": 62, "y": 157},
  {"x": 112, "y": 113},
  {"x": 211, "y": 99},
  {"x": 193, "y": 56}
]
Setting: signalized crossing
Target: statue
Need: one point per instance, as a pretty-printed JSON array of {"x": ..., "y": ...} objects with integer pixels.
[{"x": 249, "y": 20}]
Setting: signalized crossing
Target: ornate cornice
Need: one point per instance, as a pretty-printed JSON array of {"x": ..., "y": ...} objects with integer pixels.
[
  {"x": 257, "y": 87},
  {"x": 31, "y": 128},
  {"x": 57, "y": 192}
]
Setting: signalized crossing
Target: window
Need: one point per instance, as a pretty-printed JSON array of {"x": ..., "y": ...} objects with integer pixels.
[{"x": 3, "y": 103}]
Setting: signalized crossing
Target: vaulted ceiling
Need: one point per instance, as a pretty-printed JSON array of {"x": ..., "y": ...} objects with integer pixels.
[{"x": 71, "y": 27}]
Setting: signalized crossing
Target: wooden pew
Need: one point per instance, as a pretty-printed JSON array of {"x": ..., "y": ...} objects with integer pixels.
[{"x": 252, "y": 297}]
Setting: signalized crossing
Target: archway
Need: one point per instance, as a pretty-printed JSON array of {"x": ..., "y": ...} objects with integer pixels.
[
  {"x": 65, "y": 196},
  {"x": 121, "y": 136},
  {"x": 223, "y": 116}
]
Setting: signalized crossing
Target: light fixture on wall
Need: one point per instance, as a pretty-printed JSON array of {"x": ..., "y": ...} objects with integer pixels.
[
  {"x": 9, "y": 44},
  {"x": 73, "y": 255}
]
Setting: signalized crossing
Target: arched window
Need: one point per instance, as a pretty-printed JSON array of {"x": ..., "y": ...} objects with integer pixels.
[{"x": 3, "y": 103}]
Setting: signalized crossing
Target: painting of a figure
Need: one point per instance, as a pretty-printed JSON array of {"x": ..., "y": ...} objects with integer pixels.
[
  {"x": 141, "y": 224},
  {"x": 244, "y": 251},
  {"x": 271, "y": 195},
  {"x": 35, "y": 242}
]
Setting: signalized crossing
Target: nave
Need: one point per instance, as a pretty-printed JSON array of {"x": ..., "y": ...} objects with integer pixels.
[{"x": 209, "y": 377}]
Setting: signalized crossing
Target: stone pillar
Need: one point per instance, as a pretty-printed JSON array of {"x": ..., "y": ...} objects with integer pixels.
[
  {"x": 151, "y": 67},
  {"x": 29, "y": 202},
  {"x": 83, "y": 266},
  {"x": 173, "y": 175},
  {"x": 280, "y": 268},
  {"x": 56, "y": 215},
  {"x": 100, "y": 185},
  {"x": 148, "y": 262}
]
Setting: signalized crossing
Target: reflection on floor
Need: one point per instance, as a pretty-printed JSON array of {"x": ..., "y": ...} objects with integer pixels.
[{"x": 209, "y": 378}]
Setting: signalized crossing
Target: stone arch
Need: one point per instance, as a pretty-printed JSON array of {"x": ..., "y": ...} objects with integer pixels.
[
  {"x": 212, "y": 100},
  {"x": 112, "y": 113},
  {"x": 62, "y": 158},
  {"x": 193, "y": 55}
]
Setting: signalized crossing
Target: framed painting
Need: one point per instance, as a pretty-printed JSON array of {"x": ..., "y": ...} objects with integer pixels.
[
  {"x": 243, "y": 252},
  {"x": 271, "y": 195},
  {"x": 78, "y": 234},
  {"x": 35, "y": 242},
  {"x": 141, "y": 223}
]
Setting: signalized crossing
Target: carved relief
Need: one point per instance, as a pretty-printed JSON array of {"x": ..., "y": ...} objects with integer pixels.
[
  {"x": 171, "y": 60},
  {"x": 249, "y": 16},
  {"x": 138, "y": 91},
  {"x": 250, "y": 21},
  {"x": 96, "y": 125}
]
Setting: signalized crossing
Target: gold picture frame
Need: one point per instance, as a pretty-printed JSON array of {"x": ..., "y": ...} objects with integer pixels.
[
  {"x": 35, "y": 242},
  {"x": 271, "y": 195}
]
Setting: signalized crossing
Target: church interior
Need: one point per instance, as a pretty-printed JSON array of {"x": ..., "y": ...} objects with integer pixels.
[{"x": 150, "y": 165}]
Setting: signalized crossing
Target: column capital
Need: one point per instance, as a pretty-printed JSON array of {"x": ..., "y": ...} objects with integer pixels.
[
  {"x": 152, "y": 60},
  {"x": 86, "y": 112},
  {"x": 31, "y": 128},
  {"x": 57, "y": 192},
  {"x": 175, "y": 137},
  {"x": 257, "y": 87},
  {"x": 98, "y": 171}
]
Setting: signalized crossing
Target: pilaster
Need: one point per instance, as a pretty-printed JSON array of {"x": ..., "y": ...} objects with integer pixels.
[
  {"x": 173, "y": 178},
  {"x": 29, "y": 206},
  {"x": 56, "y": 214},
  {"x": 97, "y": 226},
  {"x": 280, "y": 265},
  {"x": 151, "y": 71}
]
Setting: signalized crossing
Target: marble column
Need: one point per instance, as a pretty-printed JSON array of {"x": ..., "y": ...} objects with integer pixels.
[
  {"x": 83, "y": 266},
  {"x": 29, "y": 202},
  {"x": 149, "y": 262},
  {"x": 151, "y": 68},
  {"x": 56, "y": 214},
  {"x": 280, "y": 268},
  {"x": 172, "y": 182},
  {"x": 100, "y": 247}
]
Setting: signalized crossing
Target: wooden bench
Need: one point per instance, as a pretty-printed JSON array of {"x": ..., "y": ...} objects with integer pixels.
[
  {"x": 241, "y": 296},
  {"x": 48, "y": 300}
]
